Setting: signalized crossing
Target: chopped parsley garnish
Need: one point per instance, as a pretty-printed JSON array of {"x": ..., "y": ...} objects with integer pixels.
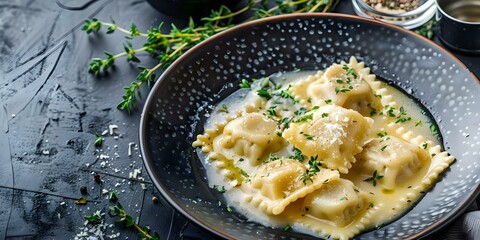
[
  {"x": 287, "y": 228},
  {"x": 433, "y": 129},
  {"x": 297, "y": 155},
  {"x": 373, "y": 178},
  {"x": 390, "y": 111},
  {"x": 245, "y": 174},
  {"x": 273, "y": 157},
  {"x": 271, "y": 111},
  {"x": 264, "y": 93},
  {"x": 370, "y": 205},
  {"x": 245, "y": 84},
  {"x": 304, "y": 118},
  {"x": 278, "y": 86},
  {"x": 418, "y": 123},
  {"x": 343, "y": 198},
  {"x": 342, "y": 90},
  {"x": 300, "y": 111},
  {"x": 220, "y": 190},
  {"x": 223, "y": 108},
  {"x": 265, "y": 82},
  {"x": 373, "y": 111},
  {"x": 313, "y": 168},
  {"x": 328, "y": 101},
  {"x": 382, "y": 134},
  {"x": 401, "y": 116},
  {"x": 308, "y": 137},
  {"x": 284, "y": 94},
  {"x": 286, "y": 122},
  {"x": 378, "y": 96},
  {"x": 350, "y": 71},
  {"x": 229, "y": 209},
  {"x": 383, "y": 148},
  {"x": 98, "y": 141},
  {"x": 425, "y": 145},
  {"x": 309, "y": 99},
  {"x": 324, "y": 115},
  {"x": 403, "y": 119}
]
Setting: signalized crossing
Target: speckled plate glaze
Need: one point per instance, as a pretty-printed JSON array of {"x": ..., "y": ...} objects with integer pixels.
[{"x": 175, "y": 110}]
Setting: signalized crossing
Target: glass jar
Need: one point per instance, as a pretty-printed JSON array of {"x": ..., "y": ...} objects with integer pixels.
[{"x": 408, "y": 19}]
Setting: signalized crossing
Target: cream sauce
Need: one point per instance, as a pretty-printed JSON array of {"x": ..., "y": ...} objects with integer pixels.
[{"x": 384, "y": 205}]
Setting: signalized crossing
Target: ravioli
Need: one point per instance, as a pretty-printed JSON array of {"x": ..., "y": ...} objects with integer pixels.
[
  {"x": 250, "y": 136},
  {"x": 393, "y": 158},
  {"x": 341, "y": 85},
  {"x": 332, "y": 153},
  {"x": 276, "y": 184},
  {"x": 338, "y": 202},
  {"x": 334, "y": 134}
]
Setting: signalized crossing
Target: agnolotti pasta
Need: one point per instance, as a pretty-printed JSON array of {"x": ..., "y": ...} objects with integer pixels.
[{"x": 331, "y": 153}]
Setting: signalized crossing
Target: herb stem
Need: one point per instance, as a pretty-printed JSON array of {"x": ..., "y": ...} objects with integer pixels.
[
  {"x": 177, "y": 50},
  {"x": 145, "y": 234},
  {"x": 315, "y": 7},
  {"x": 167, "y": 47},
  {"x": 152, "y": 70},
  {"x": 121, "y": 29},
  {"x": 126, "y": 53}
]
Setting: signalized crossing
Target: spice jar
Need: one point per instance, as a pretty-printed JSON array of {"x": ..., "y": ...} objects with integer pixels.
[
  {"x": 405, "y": 13},
  {"x": 459, "y": 25}
]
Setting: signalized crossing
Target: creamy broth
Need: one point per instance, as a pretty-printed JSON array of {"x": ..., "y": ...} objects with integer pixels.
[{"x": 276, "y": 183}]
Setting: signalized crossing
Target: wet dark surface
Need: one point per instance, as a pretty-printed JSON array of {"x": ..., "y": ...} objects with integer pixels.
[{"x": 50, "y": 110}]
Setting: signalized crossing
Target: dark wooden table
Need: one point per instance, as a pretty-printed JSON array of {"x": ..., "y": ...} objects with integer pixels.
[{"x": 50, "y": 110}]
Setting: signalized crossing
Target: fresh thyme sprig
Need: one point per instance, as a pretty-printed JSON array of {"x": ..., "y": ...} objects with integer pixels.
[
  {"x": 118, "y": 211},
  {"x": 128, "y": 221},
  {"x": 374, "y": 178},
  {"x": 167, "y": 47}
]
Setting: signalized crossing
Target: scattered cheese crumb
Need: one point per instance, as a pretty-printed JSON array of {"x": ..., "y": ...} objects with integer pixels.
[
  {"x": 135, "y": 173},
  {"x": 103, "y": 164},
  {"x": 111, "y": 128},
  {"x": 130, "y": 148}
]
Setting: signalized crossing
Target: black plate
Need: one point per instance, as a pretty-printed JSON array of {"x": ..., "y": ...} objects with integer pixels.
[{"x": 175, "y": 108}]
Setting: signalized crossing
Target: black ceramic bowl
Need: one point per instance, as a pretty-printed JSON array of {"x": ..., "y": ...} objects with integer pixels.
[{"x": 175, "y": 110}]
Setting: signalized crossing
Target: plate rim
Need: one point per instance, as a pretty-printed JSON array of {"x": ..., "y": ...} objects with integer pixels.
[{"x": 148, "y": 162}]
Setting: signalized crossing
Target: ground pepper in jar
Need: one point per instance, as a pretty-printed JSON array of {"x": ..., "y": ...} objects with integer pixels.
[{"x": 393, "y": 5}]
